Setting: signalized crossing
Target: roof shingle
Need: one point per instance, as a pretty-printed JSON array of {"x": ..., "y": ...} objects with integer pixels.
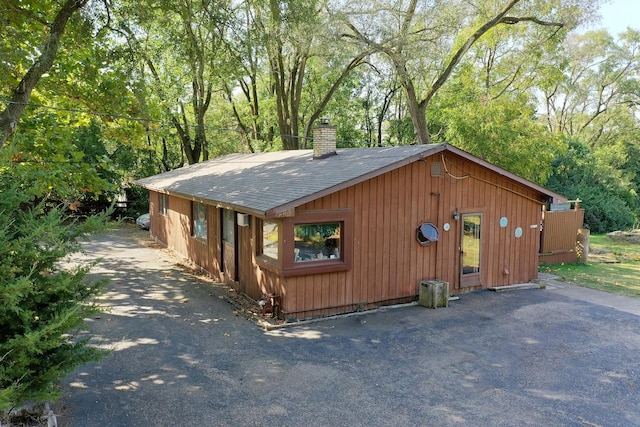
[{"x": 262, "y": 182}]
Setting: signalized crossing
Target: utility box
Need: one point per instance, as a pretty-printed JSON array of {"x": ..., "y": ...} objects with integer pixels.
[
  {"x": 243, "y": 219},
  {"x": 433, "y": 293}
]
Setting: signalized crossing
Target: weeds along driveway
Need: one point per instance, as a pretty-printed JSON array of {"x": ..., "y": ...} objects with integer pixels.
[{"x": 182, "y": 358}]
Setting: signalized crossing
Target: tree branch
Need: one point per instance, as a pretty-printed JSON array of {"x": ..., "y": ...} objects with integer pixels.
[
  {"x": 21, "y": 94},
  {"x": 511, "y": 20},
  {"x": 355, "y": 62},
  {"x": 457, "y": 56}
]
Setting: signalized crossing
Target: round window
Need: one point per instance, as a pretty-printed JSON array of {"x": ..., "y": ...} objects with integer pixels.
[{"x": 427, "y": 233}]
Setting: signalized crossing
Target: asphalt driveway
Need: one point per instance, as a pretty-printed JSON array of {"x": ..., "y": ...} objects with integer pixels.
[{"x": 182, "y": 357}]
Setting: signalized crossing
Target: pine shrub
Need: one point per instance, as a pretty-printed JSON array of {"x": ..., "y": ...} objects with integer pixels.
[{"x": 42, "y": 304}]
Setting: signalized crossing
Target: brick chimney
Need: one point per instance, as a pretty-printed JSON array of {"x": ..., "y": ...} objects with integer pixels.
[{"x": 324, "y": 140}]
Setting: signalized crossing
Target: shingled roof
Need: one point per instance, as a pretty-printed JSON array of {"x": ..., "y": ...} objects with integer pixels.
[{"x": 271, "y": 184}]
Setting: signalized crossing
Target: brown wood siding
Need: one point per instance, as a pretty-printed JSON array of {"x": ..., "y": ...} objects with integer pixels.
[
  {"x": 388, "y": 263},
  {"x": 253, "y": 280},
  {"x": 560, "y": 236},
  {"x": 174, "y": 231}
]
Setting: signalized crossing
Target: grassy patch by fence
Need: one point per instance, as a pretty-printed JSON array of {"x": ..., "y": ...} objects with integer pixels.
[{"x": 613, "y": 266}]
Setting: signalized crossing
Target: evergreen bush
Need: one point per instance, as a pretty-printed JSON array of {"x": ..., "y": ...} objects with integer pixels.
[{"x": 42, "y": 304}]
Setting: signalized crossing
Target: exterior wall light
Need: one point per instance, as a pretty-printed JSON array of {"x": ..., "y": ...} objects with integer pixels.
[{"x": 455, "y": 215}]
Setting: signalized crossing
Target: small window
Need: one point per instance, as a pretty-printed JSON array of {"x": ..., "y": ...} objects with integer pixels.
[
  {"x": 228, "y": 226},
  {"x": 316, "y": 242},
  {"x": 427, "y": 233},
  {"x": 163, "y": 203},
  {"x": 199, "y": 221},
  {"x": 270, "y": 239}
]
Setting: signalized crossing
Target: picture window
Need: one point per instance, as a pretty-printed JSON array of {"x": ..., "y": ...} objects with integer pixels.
[{"x": 317, "y": 242}]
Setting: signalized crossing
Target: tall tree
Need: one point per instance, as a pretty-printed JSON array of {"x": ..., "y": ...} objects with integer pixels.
[
  {"x": 596, "y": 86},
  {"x": 425, "y": 42},
  {"x": 592, "y": 101},
  {"x": 295, "y": 32},
  {"x": 180, "y": 45},
  {"x": 20, "y": 96}
]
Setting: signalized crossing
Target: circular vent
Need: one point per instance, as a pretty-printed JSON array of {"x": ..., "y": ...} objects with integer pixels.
[{"x": 427, "y": 233}]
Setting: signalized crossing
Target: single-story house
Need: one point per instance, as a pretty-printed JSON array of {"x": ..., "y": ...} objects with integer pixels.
[{"x": 329, "y": 231}]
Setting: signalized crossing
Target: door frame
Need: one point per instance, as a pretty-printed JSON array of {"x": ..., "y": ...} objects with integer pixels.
[
  {"x": 467, "y": 280},
  {"x": 230, "y": 252}
]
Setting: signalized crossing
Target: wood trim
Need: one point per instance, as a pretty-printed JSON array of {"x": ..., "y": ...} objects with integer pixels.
[{"x": 472, "y": 279}]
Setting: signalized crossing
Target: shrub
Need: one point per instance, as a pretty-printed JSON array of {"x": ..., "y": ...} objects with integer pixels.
[
  {"x": 608, "y": 204},
  {"x": 42, "y": 304}
]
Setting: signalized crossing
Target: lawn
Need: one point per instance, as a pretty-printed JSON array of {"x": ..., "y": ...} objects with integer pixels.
[{"x": 613, "y": 266}]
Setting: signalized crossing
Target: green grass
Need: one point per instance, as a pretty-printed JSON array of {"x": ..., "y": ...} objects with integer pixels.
[{"x": 612, "y": 267}]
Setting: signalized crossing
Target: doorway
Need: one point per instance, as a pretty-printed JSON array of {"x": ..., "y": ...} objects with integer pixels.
[
  {"x": 229, "y": 245},
  {"x": 470, "y": 250}
]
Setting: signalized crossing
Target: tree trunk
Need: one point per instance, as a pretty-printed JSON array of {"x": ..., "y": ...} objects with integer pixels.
[
  {"x": 417, "y": 110},
  {"x": 21, "y": 94},
  {"x": 386, "y": 104},
  {"x": 355, "y": 62}
]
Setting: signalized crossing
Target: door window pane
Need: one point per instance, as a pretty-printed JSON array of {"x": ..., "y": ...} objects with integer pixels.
[
  {"x": 228, "y": 226},
  {"x": 270, "y": 239},
  {"x": 471, "y": 244}
]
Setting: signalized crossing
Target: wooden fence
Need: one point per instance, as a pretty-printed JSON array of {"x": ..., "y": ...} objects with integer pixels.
[{"x": 559, "y": 236}]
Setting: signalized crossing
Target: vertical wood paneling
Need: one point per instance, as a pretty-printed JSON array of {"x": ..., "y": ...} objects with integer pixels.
[
  {"x": 415, "y": 254},
  {"x": 381, "y": 243},
  {"x": 361, "y": 288},
  {"x": 374, "y": 240},
  {"x": 354, "y": 273},
  {"x": 335, "y": 296},
  {"x": 447, "y": 239},
  {"x": 396, "y": 218},
  {"x": 342, "y": 292},
  {"x": 560, "y": 228}
]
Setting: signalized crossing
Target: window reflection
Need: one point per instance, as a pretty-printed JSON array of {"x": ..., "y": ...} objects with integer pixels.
[
  {"x": 270, "y": 239},
  {"x": 200, "y": 221},
  {"x": 314, "y": 242}
]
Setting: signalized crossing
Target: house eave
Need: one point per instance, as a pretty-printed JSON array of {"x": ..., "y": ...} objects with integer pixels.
[{"x": 206, "y": 201}]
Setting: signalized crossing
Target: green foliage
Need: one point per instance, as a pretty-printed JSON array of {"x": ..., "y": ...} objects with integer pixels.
[
  {"x": 49, "y": 163},
  {"x": 401, "y": 131},
  {"x": 503, "y": 131},
  {"x": 42, "y": 305},
  {"x": 608, "y": 204},
  {"x": 316, "y": 232},
  {"x": 139, "y": 200}
]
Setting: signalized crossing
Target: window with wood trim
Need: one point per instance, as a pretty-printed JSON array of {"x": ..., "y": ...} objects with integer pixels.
[
  {"x": 316, "y": 242},
  {"x": 163, "y": 204},
  {"x": 199, "y": 220}
]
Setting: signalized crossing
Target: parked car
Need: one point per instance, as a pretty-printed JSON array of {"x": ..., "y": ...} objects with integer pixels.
[{"x": 143, "y": 221}]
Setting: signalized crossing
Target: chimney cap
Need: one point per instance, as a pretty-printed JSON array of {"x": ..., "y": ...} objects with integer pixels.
[{"x": 324, "y": 120}]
